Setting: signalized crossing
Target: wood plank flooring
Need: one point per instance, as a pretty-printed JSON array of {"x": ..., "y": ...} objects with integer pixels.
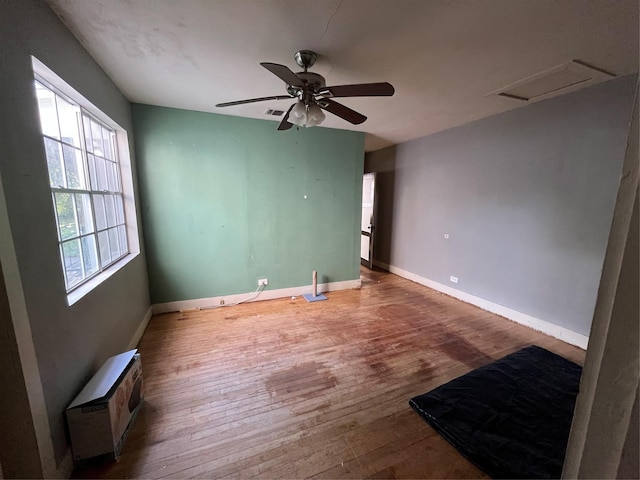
[{"x": 290, "y": 389}]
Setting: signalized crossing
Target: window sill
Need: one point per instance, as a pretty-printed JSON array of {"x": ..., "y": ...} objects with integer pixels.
[{"x": 85, "y": 288}]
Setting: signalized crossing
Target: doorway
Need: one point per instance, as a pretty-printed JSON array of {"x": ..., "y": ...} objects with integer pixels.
[{"x": 368, "y": 223}]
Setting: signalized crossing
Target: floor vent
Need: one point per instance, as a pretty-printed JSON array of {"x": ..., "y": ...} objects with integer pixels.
[{"x": 555, "y": 81}]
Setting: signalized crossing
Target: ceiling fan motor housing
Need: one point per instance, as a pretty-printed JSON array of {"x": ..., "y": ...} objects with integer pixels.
[
  {"x": 313, "y": 82},
  {"x": 305, "y": 58}
]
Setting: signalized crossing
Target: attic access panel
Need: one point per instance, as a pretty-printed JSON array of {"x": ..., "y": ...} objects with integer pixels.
[{"x": 555, "y": 81}]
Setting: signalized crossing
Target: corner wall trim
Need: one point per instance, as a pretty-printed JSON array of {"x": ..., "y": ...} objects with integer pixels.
[
  {"x": 543, "y": 326},
  {"x": 26, "y": 348},
  {"x": 198, "y": 303}
]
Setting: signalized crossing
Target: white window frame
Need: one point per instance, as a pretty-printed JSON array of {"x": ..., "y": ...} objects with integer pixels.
[{"x": 50, "y": 80}]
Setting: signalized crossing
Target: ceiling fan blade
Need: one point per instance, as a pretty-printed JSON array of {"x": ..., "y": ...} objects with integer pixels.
[
  {"x": 282, "y": 72},
  {"x": 284, "y": 124},
  {"x": 252, "y": 100},
  {"x": 383, "y": 89},
  {"x": 341, "y": 111}
]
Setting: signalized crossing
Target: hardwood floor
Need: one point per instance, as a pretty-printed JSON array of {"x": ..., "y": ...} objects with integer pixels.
[{"x": 290, "y": 389}]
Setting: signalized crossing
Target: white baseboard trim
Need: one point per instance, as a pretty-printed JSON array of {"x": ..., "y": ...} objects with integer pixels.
[
  {"x": 202, "y": 303},
  {"x": 543, "y": 326},
  {"x": 140, "y": 331}
]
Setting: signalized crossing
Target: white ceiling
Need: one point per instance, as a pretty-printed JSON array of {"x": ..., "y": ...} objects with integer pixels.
[{"x": 442, "y": 56}]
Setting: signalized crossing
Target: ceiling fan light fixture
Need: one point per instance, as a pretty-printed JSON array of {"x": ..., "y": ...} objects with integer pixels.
[
  {"x": 298, "y": 114},
  {"x": 306, "y": 116},
  {"x": 315, "y": 115}
]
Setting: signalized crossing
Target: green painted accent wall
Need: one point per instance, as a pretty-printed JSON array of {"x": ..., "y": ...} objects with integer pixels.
[{"x": 228, "y": 200}]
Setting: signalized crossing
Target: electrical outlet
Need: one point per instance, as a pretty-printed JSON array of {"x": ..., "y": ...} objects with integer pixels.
[
  {"x": 453, "y": 279},
  {"x": 263, "y": 281}
]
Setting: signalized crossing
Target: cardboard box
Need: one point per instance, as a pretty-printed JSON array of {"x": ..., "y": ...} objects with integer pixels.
[{"x": 100, "y": 416}]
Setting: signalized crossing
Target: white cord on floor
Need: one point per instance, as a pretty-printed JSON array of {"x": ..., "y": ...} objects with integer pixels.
[{"x": 253, "y": 296}]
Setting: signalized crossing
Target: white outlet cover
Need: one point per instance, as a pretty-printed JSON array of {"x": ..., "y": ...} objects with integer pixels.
[{"x": 453, "y": 279}]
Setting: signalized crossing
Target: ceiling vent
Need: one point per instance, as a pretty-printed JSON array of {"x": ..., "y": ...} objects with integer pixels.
[
  {"x": 274, "y": 113},
  {"x": 555, "y": 81}
]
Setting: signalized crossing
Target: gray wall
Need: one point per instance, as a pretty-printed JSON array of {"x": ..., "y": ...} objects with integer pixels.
[
  {"x": 526, "y": 197},
  {"x": 70, "y": 342},
  {"x": 18, "y": 442},
  {"x": 630, "y": 461}
]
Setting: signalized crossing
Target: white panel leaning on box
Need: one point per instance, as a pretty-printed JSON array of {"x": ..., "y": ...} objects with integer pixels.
[{"x": 100, "y": 417}]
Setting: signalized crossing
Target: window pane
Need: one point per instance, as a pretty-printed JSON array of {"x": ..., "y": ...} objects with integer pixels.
[
  {"x": 122, "y": 236},
  {"x": 96, "y": 134},
  {"x": 74, "y": 167},
  {"x": 86, "y": 124},
  {"x": 116, "y": 174},
  {"x": 83, "y": 207},
  {"x": 65, "y": 211},
  {"x": 119, "y": 209},
  {"x": 89, "y": 255},
  {"x": 68, "y": 116},
  {"x": 55, "y": 208},
  {"x": 92, "y": 171},
  {"x": 72, "y": 261},
  {"x": 114, "y": 244},
  {"x": 98, "y": 206},
  {"x": 48, "y": 112},
  {"x": 106, "y": 139},
  {"x": 101, "y": 174},
  {"x": 111, "y": 177},
  {"x": 110, "y": 210},
  {"x": 103, "y": 244},
  {"x": 54, "y": 163}
]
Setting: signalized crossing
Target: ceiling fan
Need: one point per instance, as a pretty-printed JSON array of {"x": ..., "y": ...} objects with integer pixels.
[{"x": 314, "y": 96}]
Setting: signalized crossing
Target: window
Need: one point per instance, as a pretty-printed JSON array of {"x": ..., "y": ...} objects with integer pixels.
[{"x": 85, "y": 177}]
